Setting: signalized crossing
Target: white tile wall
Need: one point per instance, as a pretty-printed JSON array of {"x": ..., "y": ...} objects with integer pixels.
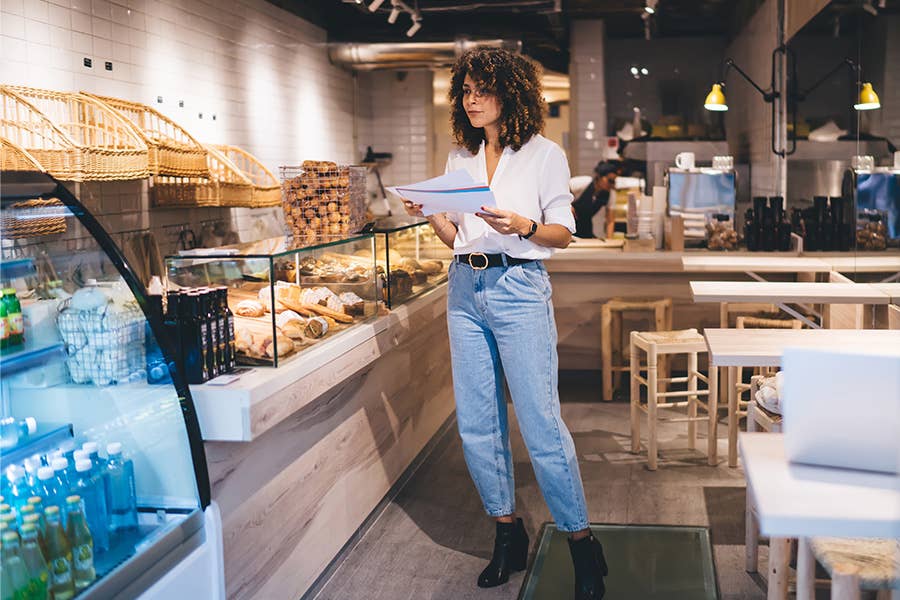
[
  {"x": 263, "y": 73},
  {"x": 587, "y": 124}
]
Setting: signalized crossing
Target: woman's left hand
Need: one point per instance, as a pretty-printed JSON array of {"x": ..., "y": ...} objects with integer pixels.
[{"x": 505, "y": 221}]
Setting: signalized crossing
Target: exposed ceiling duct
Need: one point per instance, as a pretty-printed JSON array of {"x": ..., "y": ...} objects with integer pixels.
[{"x": 412, "y": 55}]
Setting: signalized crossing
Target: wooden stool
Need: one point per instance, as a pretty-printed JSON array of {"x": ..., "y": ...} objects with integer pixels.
[
  {"x": 665, "y": 343},
  {"x": 854, "y": 564},
  {"x": 660, "y": 319}
]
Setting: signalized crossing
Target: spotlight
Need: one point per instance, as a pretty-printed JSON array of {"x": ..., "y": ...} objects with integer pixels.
[
  {"x": 375, "y": 5},
  {"x": 634, "y": 70},
  {"x": 650, "y": 6},
  {"x": 644, "y": 71},
  {"x": 715, "y": 100},
  {"x": 868, "y": 99},
  {"x": 417, "y": 25},
  {"x": 395, "y": 13}
]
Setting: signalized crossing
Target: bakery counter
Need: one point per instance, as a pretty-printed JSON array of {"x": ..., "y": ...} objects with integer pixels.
[
  {"x": 586, "y": 275},
  {"x": 299, "y": 456}
]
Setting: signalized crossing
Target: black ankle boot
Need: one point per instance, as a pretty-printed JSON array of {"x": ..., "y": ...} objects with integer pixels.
[
  {"x": 510, "y": 554},
  {"x": 590, "y": 568}
]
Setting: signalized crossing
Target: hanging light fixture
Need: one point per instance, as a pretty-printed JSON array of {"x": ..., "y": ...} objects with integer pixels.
[
  {"x": 416, "y": 26},
  {"x": 650, "y": 7},
  {"x": 375, "y": 5},
  {"x": 715, "y": 99},
  {"x": 395, "y": 12},
  {"x": 868, "y": 99}
]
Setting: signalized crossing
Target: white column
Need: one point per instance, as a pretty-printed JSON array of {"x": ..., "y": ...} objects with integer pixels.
[{"x": 587, "y": 116}]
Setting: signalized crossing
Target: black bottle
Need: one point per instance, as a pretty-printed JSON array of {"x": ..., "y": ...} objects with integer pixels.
[
  {"x": 211, "y": 332},
  {"x": 228, "y": 318},
  {"x": 810, "y": 229},
  {"x": 751, "y": 231},
  {"x": 193, "y": 338},
  {"x": 784, "y": 234}
]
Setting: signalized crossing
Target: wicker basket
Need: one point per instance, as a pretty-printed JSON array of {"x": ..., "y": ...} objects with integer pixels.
[
  {"x": 266, "y": 189},
  {"x": 14, "y": 157},
  {"x": 23, "y": 125},
  {"x": 226, "y": 186},
  {"x": 110, "y": 148},
  {"x": 28, "y": 218},
  {"x": 171, "y": 149},
  {"x": 322, "y": 201}
]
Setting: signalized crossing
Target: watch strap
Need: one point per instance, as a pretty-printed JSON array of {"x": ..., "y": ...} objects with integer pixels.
[{"x": 534, "y": 227}]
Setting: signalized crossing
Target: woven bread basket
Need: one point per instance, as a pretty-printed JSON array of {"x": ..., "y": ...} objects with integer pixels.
[
  {"x": 266, "y": 187},
  {"x": 23, "y": 125},
  {"x": 28, "y": 218},
  {"x": 225, "y": 185},
  {"x": 171, "y": 149},
  {"x": 109, "y": 147}
]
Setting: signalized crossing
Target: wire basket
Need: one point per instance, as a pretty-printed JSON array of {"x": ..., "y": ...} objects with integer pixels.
[
  {"x": 226, "y": 185},
  {"x": 322, "y": 201},
  {"x": 103, "y": 345},
  {"x": 24, "y": 127},
  {"x": 110, "y": 148},
  {"x": 171, "y": 149},
  {"x": 266, "y": 189}
]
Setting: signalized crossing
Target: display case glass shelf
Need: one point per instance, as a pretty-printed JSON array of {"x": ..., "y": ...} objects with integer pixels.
[
  {"x": 411, "y": 258},
  {"x": 74, "y": 377},
  {"x": 317, "y": 291}
]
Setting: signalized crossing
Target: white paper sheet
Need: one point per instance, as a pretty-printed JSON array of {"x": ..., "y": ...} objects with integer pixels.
[{"x": 453, "y": 192}]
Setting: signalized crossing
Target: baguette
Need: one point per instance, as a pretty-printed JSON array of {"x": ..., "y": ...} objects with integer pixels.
[{"x": 317, "y": 309}]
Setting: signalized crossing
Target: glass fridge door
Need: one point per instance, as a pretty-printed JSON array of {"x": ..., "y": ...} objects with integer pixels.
[{"x": 96, "y": 420}]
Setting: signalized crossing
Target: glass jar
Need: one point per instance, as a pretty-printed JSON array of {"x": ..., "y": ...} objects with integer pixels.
[
  {"x": 720, "y": 233},
  {"x": 871, "y": 229}
]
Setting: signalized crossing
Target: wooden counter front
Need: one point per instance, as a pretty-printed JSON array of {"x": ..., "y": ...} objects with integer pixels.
[{"x": 326, "y": 445}]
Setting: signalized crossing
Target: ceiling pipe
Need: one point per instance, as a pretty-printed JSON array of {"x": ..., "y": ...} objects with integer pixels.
[{"x": 411, "y": 55}]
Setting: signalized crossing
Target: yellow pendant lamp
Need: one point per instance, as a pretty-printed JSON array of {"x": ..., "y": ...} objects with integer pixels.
[
  {"x": 868, "y": 99},
  {"x": 715, "y": 100}
]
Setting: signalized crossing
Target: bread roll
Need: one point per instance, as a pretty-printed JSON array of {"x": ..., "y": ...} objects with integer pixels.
[{"x": 250, "y": 308}]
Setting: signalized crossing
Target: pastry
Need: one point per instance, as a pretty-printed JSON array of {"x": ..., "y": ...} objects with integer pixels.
[
  {"x": 400, "y": 282},
  {"x": 419, "y": 277},
  {"x": 282, "y": 344},
  {"x": 316, "y": 327},
  {"x": 353, "y": 304},
  {"x": 250, "y": 308},
  {"x": 432, "y": 267}
]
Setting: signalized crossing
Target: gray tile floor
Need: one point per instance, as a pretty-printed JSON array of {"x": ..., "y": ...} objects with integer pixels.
[{"x": 434, "y": 539}]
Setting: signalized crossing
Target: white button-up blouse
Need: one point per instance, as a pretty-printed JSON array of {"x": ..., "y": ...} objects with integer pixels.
[{"x": 533, "y": 182}]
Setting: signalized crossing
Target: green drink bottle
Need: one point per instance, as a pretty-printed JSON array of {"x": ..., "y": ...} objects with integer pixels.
[
  {"x": 37, "y": 521},
  {"x": 37, "y": 565},
  {"x": 4, "y": 327},
  {"x": 59, "y": 555},
  {"x": 82, "y": 544},
  {"x": 13, "y": 566},
  {"x": 15, "y": 323}
]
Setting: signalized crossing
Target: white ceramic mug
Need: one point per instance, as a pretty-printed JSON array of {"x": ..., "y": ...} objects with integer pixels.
[{"x": 684, "y": 160}]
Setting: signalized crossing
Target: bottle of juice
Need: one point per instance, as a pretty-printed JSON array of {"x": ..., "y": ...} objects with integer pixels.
[
  {"x": 13, "y": 566},
  {"x": 59, "y": 556},
  {"x": 82, "y": 544},
  {"x": 90, "y": 487},
  {"x": 24, "y": 510},
  {"x": 39, "y": 574},
  {"x": 15, "y": 323},
  {"x": 4, "y": 327},
  {"x": 38, "y": 522},
  {"x": 120, "y": 499}
]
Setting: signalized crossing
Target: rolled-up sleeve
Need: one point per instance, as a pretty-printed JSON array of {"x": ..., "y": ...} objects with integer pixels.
[{"x": 555, "y": 197}]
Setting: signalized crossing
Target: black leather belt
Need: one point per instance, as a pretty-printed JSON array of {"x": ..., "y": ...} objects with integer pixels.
[{"x": 480, "y": 261}]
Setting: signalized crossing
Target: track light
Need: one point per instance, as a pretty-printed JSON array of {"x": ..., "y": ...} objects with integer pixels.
[
  {"x": 650, "y": 7},
  {"x": 395, "y": 13},
  {"x": 416, "y": 26},
  {"x": 375, "y": 5}
]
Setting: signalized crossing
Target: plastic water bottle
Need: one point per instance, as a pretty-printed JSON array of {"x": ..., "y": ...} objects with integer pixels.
[
  {"x": 120, "y": 498},
  {"x": 32, "y": 465},
  {"x": 49, "y": 485},
  {"x": 9, "y": 433},
  {"x": 90, "y": 487},
  {"x": 61, "y": 471},
  {"x": 27, "y": 427},
  {"x": 18, "y": 491},
  {"x": 93, "y": 451}
]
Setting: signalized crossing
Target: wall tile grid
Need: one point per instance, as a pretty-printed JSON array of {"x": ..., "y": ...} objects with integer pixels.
[
  {"x": 246, "y": 72},
  {"x": 748, "y": 122},
  {"x": 587, "y": 124}
]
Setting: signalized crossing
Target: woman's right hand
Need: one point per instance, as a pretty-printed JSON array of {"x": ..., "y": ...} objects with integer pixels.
[{"x": 412, "y": 209}]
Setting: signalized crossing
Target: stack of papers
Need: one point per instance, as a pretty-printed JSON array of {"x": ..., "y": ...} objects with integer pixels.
[{"x": 453, "y": 192}]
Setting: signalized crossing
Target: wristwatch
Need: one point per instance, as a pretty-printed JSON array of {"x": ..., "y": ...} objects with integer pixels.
[{"x": 531, "y": 232}]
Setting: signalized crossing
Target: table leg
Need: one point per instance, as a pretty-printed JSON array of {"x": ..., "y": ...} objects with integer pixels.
[
  {"x": 713, "y": 409},
  {"x": 806, "y": 571},
  {"x": 751, "y": 536},
  {"x": 779, "y": 559},
  {"x": 732, "y": 417},
  {"x": 845, "y": 583}
]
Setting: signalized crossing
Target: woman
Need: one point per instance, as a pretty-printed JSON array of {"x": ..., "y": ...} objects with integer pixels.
[
  {"x": 595, "y": 197},
  {"x": 499, "y": 309}
]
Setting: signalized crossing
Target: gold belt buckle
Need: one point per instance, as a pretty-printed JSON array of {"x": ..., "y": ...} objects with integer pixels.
[{"x": 482, "y": 255}]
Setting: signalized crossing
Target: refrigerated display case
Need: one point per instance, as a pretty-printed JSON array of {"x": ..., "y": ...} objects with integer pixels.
[
  {"x": 411, "y": 258},
  {"x": 78, "y": 380},
  {"x": 318, "y": 291}
]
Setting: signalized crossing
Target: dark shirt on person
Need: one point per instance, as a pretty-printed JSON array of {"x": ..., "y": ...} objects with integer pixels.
[{"x": 586, "y": 206}]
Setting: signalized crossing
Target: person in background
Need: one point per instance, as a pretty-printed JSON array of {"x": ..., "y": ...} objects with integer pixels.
[{"x": 594, "y": 197}]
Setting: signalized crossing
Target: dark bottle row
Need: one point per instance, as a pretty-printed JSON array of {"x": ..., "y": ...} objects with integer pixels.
[
  {"x": 765, "y": 225},
  {"x": 827, "y": 225}
]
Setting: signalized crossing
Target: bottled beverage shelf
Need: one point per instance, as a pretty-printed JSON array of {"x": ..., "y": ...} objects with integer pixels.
[
  {"x": 47, "y": 436},
  {"x": 30, "y": 355}
]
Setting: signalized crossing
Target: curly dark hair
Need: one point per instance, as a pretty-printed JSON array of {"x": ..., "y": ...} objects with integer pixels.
[{"x": 514, "y": 80}]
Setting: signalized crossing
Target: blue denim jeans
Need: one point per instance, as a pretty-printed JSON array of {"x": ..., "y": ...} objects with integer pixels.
[{"x": 501, "y": 322}]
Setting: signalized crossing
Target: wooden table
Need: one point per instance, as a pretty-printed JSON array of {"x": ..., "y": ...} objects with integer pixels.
[
  {"x": 733, "y": 348},
  {"x": 754, "y": 264},
  {"x": 866, "y": 264},
  {"x": 805, "y": 501}
]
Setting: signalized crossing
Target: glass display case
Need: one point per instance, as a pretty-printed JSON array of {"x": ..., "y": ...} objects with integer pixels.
[
  {"x": 104, "y": 468},
  {"x": 317, "y": 291},
  {"x": 411, "y": 259}
]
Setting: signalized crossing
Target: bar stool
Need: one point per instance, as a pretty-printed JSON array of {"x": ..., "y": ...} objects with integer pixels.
[
  {"x": 662, "y": 344},
  {"x": 854, "y": 564},
  {"x": 611, "y": 354}
]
